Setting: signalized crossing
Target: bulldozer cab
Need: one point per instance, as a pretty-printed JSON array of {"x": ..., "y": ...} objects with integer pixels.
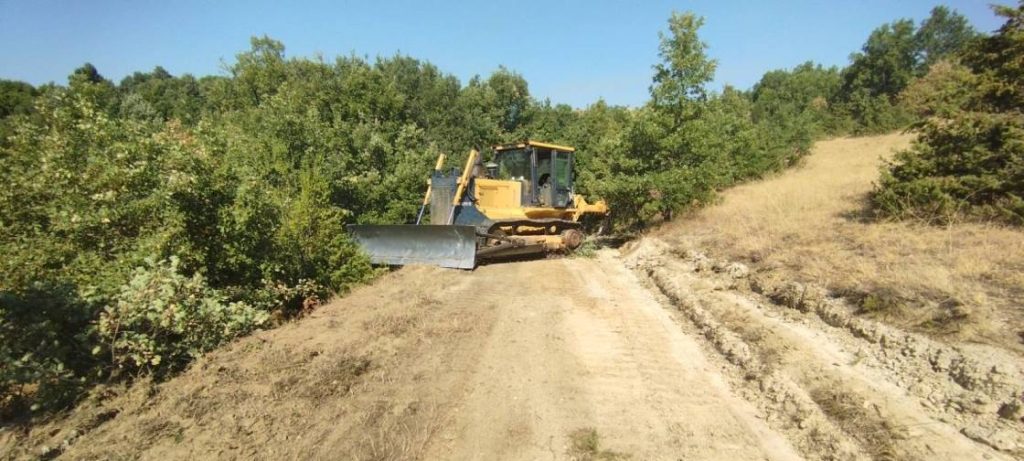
[
  {"x": 523, "y": 205},
  {"x": 543, "y": 170}
]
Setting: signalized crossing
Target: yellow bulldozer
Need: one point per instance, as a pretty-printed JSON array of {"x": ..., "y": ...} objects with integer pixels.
[{"x": 521, "y": 203}]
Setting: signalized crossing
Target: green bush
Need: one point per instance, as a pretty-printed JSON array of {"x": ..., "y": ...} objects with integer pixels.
[
  {"x": 46, "y": 338},
  {"x": 892, "y": 57},
  {"x": 967, "y": 160},
  {"x": 942, "y": 92},
  {"x": 797, "y": 101},
  {"x": 965, "y": 166},
  {"x": 162, "y": 319}
]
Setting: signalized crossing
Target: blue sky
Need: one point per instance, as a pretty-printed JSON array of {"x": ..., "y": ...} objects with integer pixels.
[{"x": 570, "y": 51}]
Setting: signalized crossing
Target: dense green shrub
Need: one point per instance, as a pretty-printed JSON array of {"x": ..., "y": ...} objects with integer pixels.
[
  {"x": 46, "y": 339},
  {"x": 16, "y": 99},
  {"x": 797, "y": 101},
  {"x": 88, "y": 197},
  {"x": 892, "y": 57},
  {"x": 942, "y": 92},
  {"x": 161, "y": 319},
  {"x": 965, "y": 165},
  {"x": 158, "y": 94},
  {"x": 968, "y": 159}
]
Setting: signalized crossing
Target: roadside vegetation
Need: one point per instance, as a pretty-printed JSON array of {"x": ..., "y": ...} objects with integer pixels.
[
  {"x": 968, "y": 159},
  {"x": 148, "y": 221},
  {"x": 961, "y": 282},
  {"x": 934, "y": 243}
]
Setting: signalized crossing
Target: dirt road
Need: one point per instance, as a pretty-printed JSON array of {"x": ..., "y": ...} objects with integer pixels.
[
  {"x": 581, "y": 344},
  {"x": 639, "y": 353}
]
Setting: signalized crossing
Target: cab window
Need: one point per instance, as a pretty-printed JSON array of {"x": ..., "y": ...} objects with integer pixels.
[{"x": 513, "y": 164}]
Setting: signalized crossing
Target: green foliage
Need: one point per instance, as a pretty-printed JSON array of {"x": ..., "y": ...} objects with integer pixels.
[
  {"x": 680, "y": 79},
  {"x": 46, "y": 336},
  {"x": 89, "y": 196},
  {"x": 88, "y": 82},
  {"x": 798, "y": 99},
  {"x": 998, "y": 61},
  {"x": 158, "y": 94},
  {"x": 967, "y": 160},
  {"x": 876, "y": 76},
  {"x": 258, "y": 73},
  {"x": 893, "y": 56},
  {"x": 966, "y": 165},
  {"x": 942, "y": 92},
  {"x": 511, "y": 98},
  {"x": 885, "y": 64},
  {"x": 942, "y": 35},
  {"x": 311, "y": 244},
  {"x": 15, "y": 98},
  {"x": 85, "y": 189},
  {"x": 161, "y": 319}
]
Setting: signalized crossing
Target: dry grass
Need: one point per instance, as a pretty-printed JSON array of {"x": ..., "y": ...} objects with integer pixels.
[
  {"x": 875, "y": 433},
  {"x": 964, "y": 281},
  {"x": 585, "y": 445}
]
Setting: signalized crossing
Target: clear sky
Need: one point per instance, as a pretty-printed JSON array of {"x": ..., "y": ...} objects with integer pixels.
[{"x": 570, "y": 51}]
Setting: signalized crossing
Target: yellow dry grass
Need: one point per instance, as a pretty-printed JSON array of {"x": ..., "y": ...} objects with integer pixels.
[{"x": 811, "y": 224}]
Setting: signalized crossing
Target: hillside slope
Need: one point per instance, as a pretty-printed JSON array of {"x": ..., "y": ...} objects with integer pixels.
[
  {"x": 653, "y": 351},
  {"x": 963, "y": 283}
]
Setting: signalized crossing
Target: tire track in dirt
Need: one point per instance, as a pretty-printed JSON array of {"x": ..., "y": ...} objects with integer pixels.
[
  {"x": 820, "y": 373},
  {"x": 515, "y": 405},
  {"x": 580, "y": 344},
  {"x": 662, "y": 373}
]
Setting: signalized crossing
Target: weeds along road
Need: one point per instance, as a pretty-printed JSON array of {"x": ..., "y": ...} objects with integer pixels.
[{"x": 638, "y": 353}]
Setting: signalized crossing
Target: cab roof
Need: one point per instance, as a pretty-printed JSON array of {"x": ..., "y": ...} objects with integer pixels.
[{"x": 531, "y": 143}]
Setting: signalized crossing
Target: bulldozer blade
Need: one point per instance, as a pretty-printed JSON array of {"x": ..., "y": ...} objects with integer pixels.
[{"x": 398, "y": 245}]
